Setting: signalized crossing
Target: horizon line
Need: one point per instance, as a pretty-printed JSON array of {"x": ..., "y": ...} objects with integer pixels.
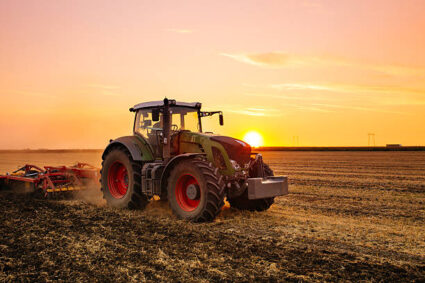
[{"x": 388, "y": 147}]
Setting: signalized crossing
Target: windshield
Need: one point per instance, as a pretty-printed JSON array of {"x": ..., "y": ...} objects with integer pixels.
[{"x": 182, "y": 118}]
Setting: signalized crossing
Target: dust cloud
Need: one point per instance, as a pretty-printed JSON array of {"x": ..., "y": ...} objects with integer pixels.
[
  {"x": 91, "y": 194},
  {"x": 159, "y": 208}
]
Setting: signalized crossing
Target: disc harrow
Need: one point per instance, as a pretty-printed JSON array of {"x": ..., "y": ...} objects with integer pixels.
[{"x": 52, "y": 181}]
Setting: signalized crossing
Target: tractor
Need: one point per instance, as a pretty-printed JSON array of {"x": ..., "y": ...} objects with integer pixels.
[{"x": 170, "y": 157}]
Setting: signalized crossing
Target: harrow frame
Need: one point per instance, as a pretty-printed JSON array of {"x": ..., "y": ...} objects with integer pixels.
[{"x": 53, "y": 178}]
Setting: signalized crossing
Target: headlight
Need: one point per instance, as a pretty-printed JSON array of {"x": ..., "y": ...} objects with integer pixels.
[{"x": 235, "y": 165}]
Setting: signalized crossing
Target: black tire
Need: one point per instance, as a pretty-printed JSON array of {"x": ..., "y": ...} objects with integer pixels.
[
  {"x": 243, "y": 203},
  {"x": 210, "y": 190},
  {"x": 122, "y": 190}
]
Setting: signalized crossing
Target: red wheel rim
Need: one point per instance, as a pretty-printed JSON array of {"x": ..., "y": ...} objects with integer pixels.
[
  {"x": 182, "y": 198},
  {"x": 117, "y": 180}
]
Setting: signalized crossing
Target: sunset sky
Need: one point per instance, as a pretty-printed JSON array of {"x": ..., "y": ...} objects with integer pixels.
[{"x": 329, "y": 72}]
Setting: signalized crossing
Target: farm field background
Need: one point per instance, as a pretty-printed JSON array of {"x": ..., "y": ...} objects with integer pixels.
[{"x": 349, "y": 216}]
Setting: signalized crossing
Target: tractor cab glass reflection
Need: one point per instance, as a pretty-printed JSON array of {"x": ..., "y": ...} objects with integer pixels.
[
  {"x": 182, "y": 118},
  {"x": 149, "y": 129}
]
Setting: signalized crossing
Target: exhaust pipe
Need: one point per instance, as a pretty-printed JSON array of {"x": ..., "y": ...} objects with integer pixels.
[{"x": 166, "y": 148}]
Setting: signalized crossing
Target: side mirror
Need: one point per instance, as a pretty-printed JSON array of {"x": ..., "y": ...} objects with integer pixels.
[
  {"x": 221, "y": 119},
  {"x": 155, "y": 115}
]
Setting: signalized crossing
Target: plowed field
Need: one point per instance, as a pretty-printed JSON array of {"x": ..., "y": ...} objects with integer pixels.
[{"x": 349, "y": 216}]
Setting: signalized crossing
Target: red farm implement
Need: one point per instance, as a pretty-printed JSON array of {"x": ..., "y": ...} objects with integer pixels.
[{"x": 53, "y": 180}]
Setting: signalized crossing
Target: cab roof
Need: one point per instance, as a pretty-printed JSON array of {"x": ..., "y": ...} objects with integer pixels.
[{"x": 160, "y": 103}]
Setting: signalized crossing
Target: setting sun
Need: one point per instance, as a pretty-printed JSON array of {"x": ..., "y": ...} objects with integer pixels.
[{"x": 253, "y": 138}]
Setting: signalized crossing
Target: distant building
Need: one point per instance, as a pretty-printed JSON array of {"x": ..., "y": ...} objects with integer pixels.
[{"x": 394, "y": 145}]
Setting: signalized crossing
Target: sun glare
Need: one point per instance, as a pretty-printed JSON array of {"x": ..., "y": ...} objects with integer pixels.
[{"x": 253, "y": 138}]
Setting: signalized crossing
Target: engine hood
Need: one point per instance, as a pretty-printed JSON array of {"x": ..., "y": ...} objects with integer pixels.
[{"x": 236, "y": 149}]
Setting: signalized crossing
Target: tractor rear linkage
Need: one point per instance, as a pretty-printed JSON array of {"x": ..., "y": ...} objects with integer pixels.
[{"x": 52, "y": 179}]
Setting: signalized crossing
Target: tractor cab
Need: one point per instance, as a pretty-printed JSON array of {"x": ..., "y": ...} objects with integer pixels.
[{"x": 150, "y": 122}]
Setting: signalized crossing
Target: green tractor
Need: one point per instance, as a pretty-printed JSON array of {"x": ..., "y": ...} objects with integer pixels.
[{"x": 170, "y": 156}]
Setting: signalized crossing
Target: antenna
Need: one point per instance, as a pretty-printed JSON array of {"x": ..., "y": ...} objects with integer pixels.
[
  {"x": 371, "y": 139},
  {"x": 295, "y": 140}
]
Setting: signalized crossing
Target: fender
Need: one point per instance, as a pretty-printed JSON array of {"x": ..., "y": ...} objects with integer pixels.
[
  {"x": 171, "y": 163},
  {"x": 139, "y": 149}
]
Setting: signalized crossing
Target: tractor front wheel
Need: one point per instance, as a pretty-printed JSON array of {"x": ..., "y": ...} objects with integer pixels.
[
  {"x": 120, "y": 179},
  {"x": 195, "y": 190}
]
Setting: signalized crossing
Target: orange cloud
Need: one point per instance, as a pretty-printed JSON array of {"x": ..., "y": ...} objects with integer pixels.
[
  {"x": 271, "y": 59},
  {"x": 277, "y": 59},
  {"x": 352, "y": 88},
  {"x": 387, "y": 94},
  {"x": 250, "y": 111},
  {"x": 360, "y": 108}
]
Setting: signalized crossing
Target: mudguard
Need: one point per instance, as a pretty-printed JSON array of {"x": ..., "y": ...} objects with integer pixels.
[{"x": 137, "y": 146}]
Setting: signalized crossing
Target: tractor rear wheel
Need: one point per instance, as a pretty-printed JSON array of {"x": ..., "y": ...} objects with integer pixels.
[
  {"x": 243, "y": 203},
  {"x": 195, "y": 190},
  {"x": 120, "y": 180}
]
